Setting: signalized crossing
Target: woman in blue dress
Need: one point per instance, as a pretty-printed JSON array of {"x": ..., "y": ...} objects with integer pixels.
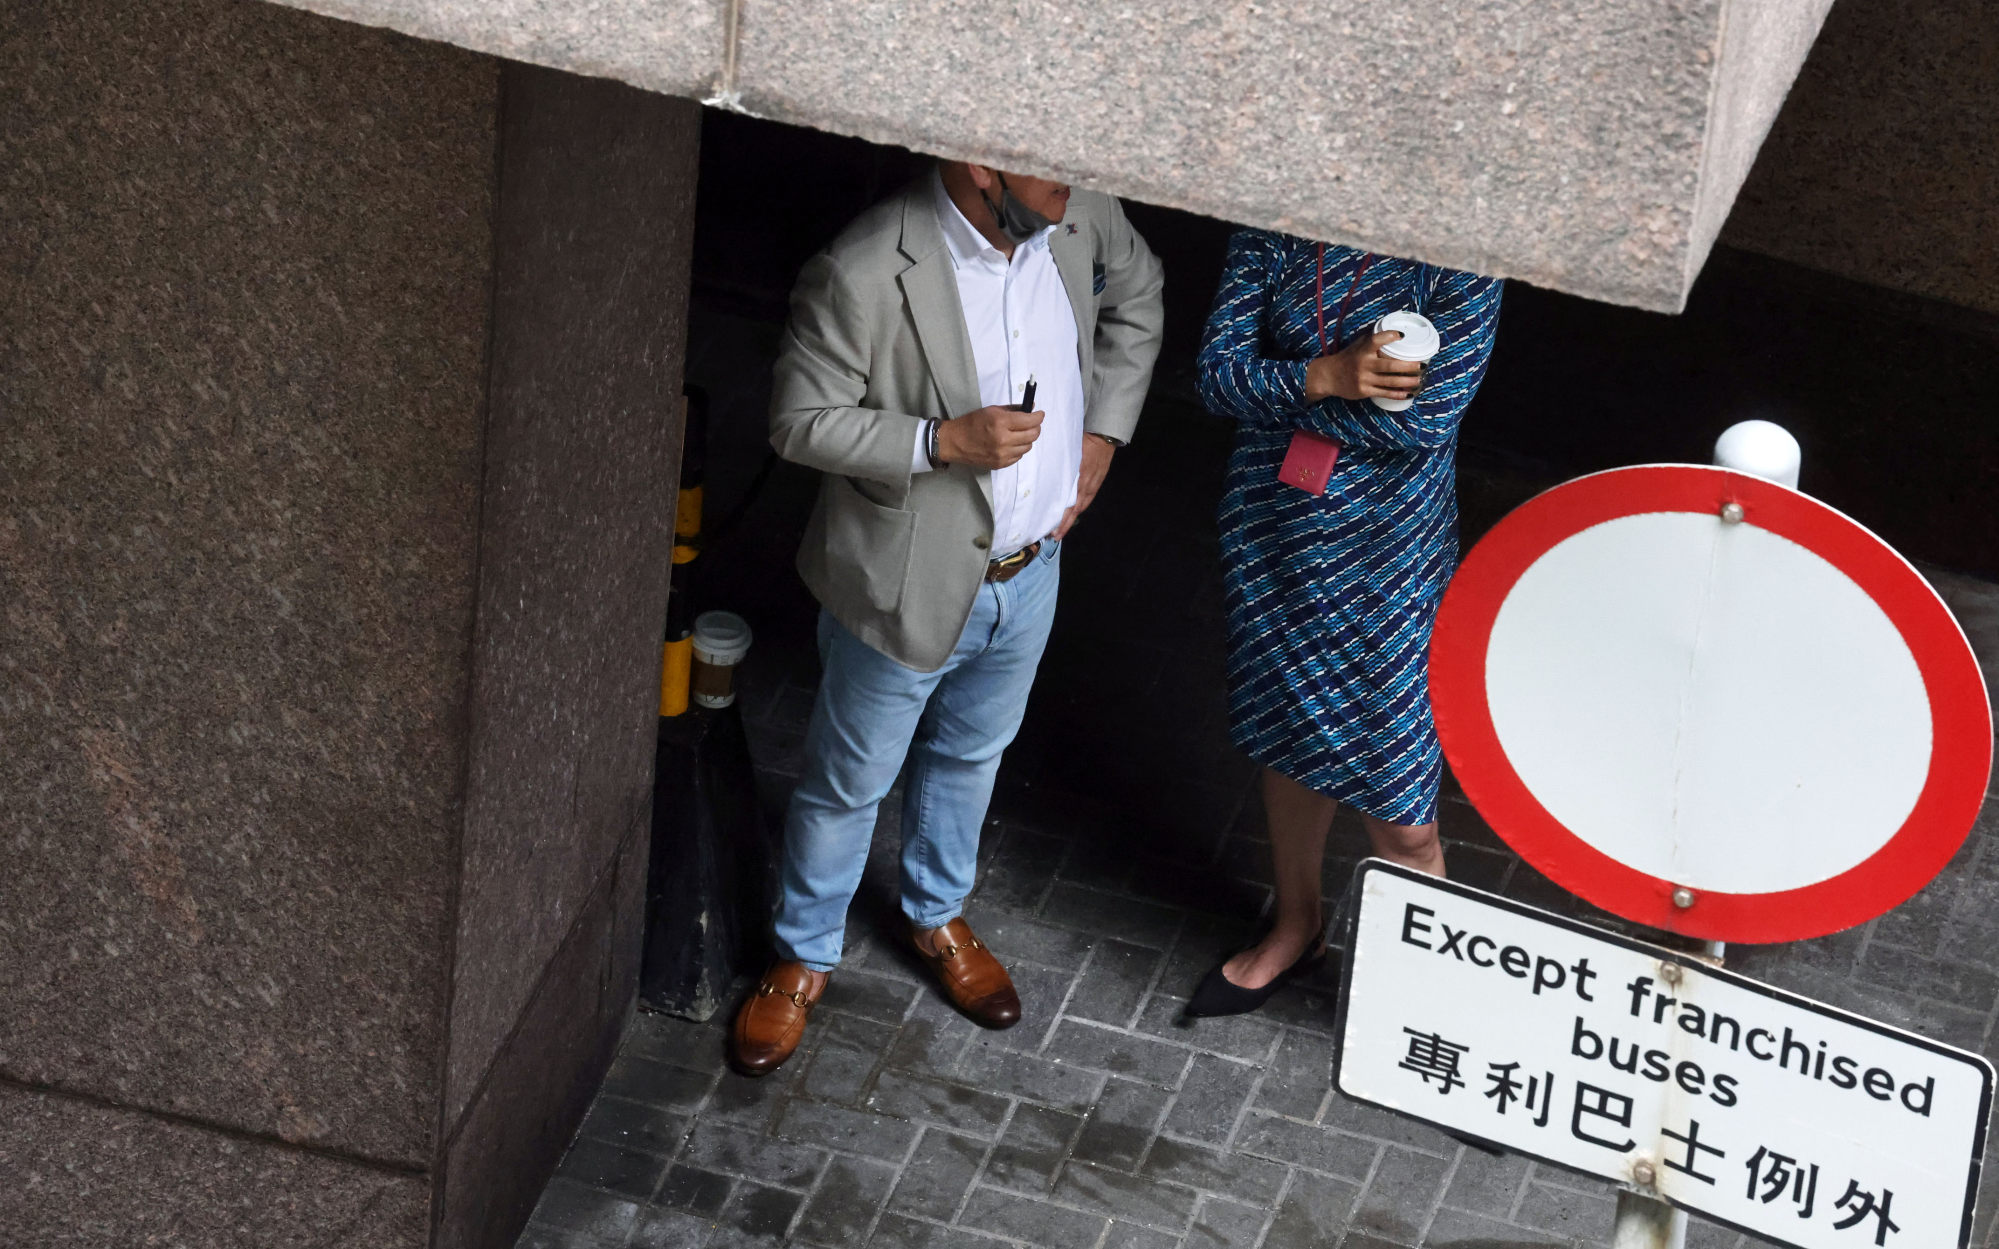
[{"x": 1331, "y": 597}]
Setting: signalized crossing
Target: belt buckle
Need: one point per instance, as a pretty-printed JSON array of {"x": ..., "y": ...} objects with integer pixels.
[{"x": 1005, "y": 565}]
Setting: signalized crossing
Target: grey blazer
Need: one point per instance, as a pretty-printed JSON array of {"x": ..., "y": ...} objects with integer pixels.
[{"x": 876, "y": 344}]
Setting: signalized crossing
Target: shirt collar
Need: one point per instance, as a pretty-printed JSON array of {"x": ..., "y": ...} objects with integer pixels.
[{"x": 963, "y": 239}]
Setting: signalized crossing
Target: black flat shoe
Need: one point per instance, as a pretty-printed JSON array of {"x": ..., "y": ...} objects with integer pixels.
[{"x": 1217, "y": 995}]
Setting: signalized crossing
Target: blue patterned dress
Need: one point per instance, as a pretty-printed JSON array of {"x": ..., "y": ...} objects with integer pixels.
[{"x": 1331, "y": 598}]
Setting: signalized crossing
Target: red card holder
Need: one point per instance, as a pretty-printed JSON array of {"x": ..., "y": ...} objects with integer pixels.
[{"x": 1309, "y": 463}]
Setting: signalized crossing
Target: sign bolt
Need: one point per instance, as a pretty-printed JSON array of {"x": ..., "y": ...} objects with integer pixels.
[
  {"x": 1683, "y": 897},
  {"x": 1732, "y": 513},
  {"x": 1670, "y": 973},
  {"x": 1643, "y": 1173}
]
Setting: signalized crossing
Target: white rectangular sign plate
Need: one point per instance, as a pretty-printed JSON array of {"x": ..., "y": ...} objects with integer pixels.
[{"x": 1777, "y": 1115}]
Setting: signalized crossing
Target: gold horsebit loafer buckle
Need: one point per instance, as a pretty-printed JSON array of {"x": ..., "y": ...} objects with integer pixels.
[{"x": 797, "y": 996}]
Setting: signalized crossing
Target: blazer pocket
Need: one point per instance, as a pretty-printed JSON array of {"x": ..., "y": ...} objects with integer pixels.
[{"x": 873, "y": 542}]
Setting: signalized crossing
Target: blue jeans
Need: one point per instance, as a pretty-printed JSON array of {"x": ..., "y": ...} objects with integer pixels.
[{"x": 952, "y": 724}]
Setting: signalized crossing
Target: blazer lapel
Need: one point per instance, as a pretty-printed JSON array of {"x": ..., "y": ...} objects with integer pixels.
[
  {"x": 1072, "y": 261},
  {"x": 931, "y": 289}
]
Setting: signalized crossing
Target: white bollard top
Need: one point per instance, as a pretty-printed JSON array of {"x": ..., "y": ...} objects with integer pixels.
[{"x": 1760, "y": 449}]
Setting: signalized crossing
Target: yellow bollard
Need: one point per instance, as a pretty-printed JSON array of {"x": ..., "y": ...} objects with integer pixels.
[{"x": 676, "y": 659}]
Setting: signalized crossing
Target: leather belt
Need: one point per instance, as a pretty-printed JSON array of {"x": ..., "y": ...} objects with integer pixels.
[{"x": 1007, "y": 568}]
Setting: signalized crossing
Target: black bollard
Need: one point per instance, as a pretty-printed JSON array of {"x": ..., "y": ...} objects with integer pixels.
[
  {"x": 709, "y": 882},
  {"x": 709, "y": 886}
]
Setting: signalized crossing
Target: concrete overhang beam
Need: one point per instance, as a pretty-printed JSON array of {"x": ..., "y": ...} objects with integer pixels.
[{"x": 1591, "y": 146}]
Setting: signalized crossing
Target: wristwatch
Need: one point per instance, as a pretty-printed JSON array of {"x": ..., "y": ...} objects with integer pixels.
[{"x": 1115, "y": 442}]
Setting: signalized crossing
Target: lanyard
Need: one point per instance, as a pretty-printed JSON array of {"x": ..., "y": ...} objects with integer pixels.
[{"x": 1339, "y": 326}]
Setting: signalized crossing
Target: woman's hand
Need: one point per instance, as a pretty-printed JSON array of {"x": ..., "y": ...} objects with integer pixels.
[{"x": 1362, "y": 372}]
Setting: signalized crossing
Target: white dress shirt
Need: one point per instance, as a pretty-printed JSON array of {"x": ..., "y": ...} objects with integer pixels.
[{"x": 1021, "y": 325}]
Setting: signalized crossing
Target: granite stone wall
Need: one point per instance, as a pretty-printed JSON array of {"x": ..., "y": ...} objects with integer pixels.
[
  {"x": 337, "y": 447},
  {"x": 1592, "y": 146},
  {"x": 245, "y": 292},
  {"x": 593, "y": 244},
  {"x": 1882, "y": 164}
]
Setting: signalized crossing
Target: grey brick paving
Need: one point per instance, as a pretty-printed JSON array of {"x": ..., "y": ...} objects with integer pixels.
[
  {"x": 694, "y": 1189},
  {"x": 1566, "y": 1213},
  {"x": 660, "y": 1228},
  {"x": 753, "y": 1155},
  {"x": 614, "y": 1168},
  {"x": 1030, "y": 1155},
  {"x": 1313, "y": 1213},
  {"x": 639, "y": 1126},
  {"x": 1211, "y": 1099},
  {"x": 1129, "y": 1197},
  {"x": 845, "y": 1205},
  {"x": 1213, "y": 1171},
  {"x": 1401, "y": 1196},
  {"x": 1122, "y": 1124},
  {"x": 1222, "y": 1224},
  {"x": 1123, "y": 858},
  {"x": 1127, "y": 1054},
  {"x": 1302, "y": 1145}
]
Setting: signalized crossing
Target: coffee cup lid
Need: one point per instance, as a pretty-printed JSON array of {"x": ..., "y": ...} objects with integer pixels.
[
  {"x": 722, "y": 633},
  {"x": 1419, "y": 340}
]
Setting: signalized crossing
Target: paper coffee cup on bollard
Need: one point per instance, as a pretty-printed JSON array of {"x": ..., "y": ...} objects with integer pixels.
[
  {"x": 721, "y": 639},
  {"x": 1419, "y": 342}
]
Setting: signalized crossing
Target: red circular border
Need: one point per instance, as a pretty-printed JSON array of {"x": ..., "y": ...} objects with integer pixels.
[{"x": 1961, "y": 721}]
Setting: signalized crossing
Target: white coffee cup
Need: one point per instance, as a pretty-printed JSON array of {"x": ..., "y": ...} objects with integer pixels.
[
  {"x": 721, "y": 639},
  {"x": 1419, "y": 342}
]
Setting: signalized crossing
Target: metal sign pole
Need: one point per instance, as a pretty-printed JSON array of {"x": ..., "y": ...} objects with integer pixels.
[
  {"x": 1647, "y": 1223},
  {"x": 1760, "y": 449}
]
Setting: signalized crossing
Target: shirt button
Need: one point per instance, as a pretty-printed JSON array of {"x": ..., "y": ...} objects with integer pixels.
[{"x": 1016, "y": 333}]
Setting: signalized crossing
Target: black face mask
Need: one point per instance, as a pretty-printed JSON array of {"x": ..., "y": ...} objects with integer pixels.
[{"x": 1015, "y": 220}]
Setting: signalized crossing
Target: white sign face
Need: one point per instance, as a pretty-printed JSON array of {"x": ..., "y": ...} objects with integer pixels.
[
  {"x": 1782, "y": 1117},
  {"x": 1709, "y": 703}
]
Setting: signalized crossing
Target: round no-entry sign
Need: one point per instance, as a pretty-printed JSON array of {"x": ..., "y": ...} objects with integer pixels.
[{"x": 1710, "y": 703}]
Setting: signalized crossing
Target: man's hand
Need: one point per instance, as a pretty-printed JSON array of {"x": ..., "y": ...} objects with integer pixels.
[
  {"x": 1096, "y": 465},
  {"x": 1362, "y": 372},
  {"x": 988, "y": 438}
]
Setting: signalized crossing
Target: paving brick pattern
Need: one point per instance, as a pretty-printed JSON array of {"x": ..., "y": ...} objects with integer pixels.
[{"x": 1123, "y": 859}]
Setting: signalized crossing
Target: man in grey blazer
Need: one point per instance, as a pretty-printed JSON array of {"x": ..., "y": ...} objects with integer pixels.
[{"x": 935, "y": 547}]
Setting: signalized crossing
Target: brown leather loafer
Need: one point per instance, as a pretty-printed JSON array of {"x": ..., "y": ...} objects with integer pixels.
[
  {"x": 771, "y": 1022},
  {"x": 972, "y": 978}
]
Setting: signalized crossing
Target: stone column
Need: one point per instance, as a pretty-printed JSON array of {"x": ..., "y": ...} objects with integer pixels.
[
  {"x": 1881, "y": 166},
  {"x": 337, "y": 454}
]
